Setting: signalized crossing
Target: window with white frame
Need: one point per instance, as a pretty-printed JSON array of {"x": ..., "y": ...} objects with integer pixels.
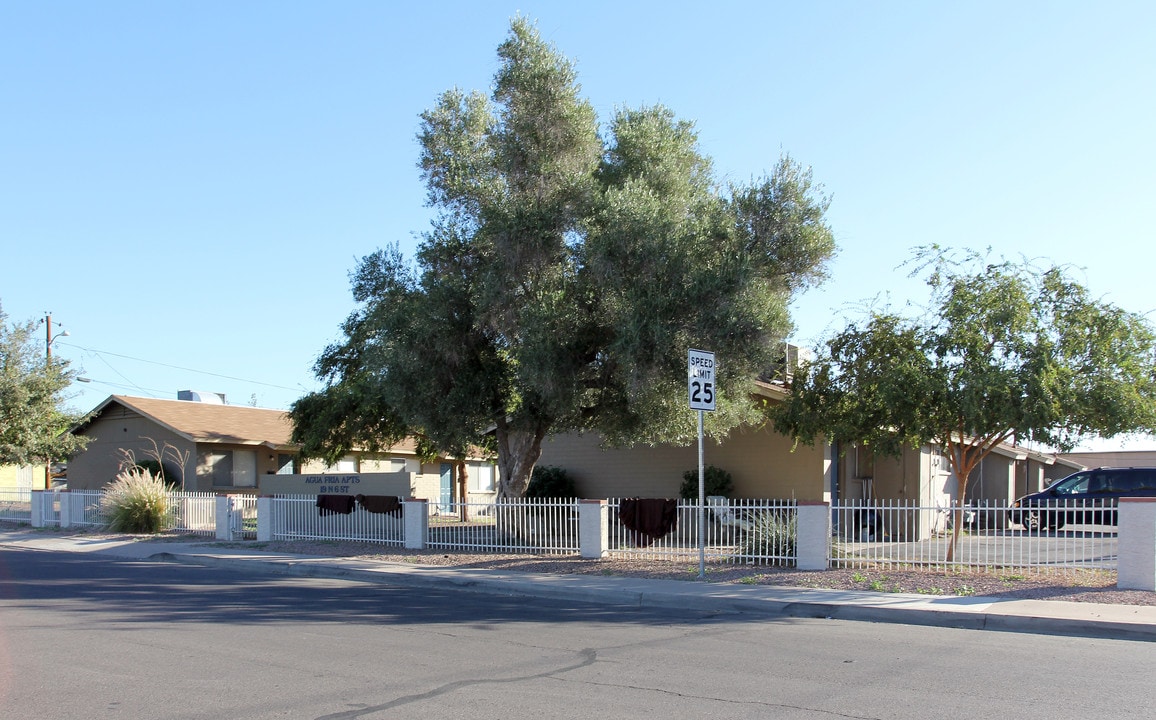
[{"x": 482, "y": 477}]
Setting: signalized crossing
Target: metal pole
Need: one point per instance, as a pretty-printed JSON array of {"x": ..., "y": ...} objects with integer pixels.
[{"x": 701, "y": 506}]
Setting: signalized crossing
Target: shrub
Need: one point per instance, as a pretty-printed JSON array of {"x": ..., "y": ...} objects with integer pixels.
[
  {"x": 716, "y": 481},
  {"x": 773, "y": 535},
  {"x": 136, "y": 502},
  {"x": 550, "y": 481}
]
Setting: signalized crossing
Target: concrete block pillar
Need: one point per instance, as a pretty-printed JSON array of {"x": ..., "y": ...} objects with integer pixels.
[
  {"x": 65, "y": 509},
  {"x": 224, "y": 517},
  {"x": 593, "y": 529},
  {"x": 264, "y": 518},
  {"x": 814, "y": 535},
  {"x": 1137, "y": 543},
  {"x": 416, "y": 519},
  {"x": 38, "y": 501}
]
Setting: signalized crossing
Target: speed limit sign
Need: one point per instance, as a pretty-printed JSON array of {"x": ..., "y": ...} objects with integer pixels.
[{"x": 700, "y": 379}]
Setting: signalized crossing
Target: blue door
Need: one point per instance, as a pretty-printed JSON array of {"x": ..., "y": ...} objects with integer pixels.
[{"x": 447, "y": 494}]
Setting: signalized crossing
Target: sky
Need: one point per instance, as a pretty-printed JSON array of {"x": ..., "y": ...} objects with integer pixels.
[{"x": 185, "y": 187}]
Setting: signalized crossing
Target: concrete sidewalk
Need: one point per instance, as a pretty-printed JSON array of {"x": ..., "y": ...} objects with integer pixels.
[{"x": 985, "y": 613}]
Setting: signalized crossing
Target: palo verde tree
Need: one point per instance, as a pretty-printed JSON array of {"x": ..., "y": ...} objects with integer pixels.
[
  {"x": 565, "y": 276},
  {"x": 1007, "y": 351},
  {"x": 32, "y": 418}
]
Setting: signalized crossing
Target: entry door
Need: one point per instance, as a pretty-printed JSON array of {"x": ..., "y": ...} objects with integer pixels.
[{"x": 447, "y": 489}]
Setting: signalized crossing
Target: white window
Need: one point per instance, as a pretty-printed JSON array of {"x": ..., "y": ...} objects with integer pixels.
[
  {"x": 347, "y": 464},
  {"x": 244, "y": 468},
  {"x": 481, "y": 477}
]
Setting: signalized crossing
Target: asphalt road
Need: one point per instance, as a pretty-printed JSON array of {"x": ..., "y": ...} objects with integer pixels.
[{"x": 88, "y": 637}]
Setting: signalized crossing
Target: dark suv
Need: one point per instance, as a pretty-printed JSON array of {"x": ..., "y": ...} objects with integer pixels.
[{"x": 1088, "y": 496}]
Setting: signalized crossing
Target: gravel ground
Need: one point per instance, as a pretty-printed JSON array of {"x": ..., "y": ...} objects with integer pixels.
[{"x": 1073, "y": 586}]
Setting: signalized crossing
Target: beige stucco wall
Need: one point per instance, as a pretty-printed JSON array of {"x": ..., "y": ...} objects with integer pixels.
[
  {"x": 762, "y": 463},
  {"x": 116, "y": 428}
]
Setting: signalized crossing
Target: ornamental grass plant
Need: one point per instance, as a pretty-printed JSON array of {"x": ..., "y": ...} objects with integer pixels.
[{"x": 136, "y": 502}]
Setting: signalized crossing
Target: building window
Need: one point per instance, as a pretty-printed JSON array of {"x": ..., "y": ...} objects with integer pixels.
[
  {"x": 347, "y": 464},
  {"x": 481, "y": 477},
  {"x": 217, "y": 466},
  {"x": 228, "y": 468},
  {"x": 286, "y": 464}
]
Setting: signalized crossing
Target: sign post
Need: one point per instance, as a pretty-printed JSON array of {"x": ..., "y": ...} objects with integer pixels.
[{"x": 700, "y": 390}]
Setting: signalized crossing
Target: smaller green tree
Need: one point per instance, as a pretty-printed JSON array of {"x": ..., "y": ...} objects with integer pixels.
[
  {"x": 32, "y": 418},
  {"x": 1006, "y": 352},
  {"x": 715, "y": 481},
  {"x": 551, "y": 481}
]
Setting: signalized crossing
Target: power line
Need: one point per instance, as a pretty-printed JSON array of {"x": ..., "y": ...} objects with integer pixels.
[{"x": 178, "y": 367}]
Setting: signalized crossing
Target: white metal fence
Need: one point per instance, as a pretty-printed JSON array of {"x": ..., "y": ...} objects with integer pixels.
[
  {"x": 750, "y": 532},
  {"x": 898, "y": 534},
  {"x": 84, "y": 508},
  {"x": 297, "y": 517},
  {"x": 540, "y": 526},
  {"x": 16, "y": 504},
  {"x": 193, "y": 512}
]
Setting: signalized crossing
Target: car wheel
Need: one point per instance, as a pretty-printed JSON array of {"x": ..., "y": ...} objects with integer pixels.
[{"x": 1033, "y": 521}]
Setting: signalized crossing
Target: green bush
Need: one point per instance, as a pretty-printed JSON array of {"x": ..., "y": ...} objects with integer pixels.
[
  {"x": 550, "y": 481},
  {"x": 716, "y": 481},
  {"x": 136, "y": 502},
  {"x": 773, "y": 535}
]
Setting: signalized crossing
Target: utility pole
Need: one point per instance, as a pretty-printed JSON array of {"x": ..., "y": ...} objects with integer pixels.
[{"x": 48, "y": 340}]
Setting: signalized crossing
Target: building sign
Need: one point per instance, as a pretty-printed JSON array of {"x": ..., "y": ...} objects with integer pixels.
[{"x": 396, "y": 483}]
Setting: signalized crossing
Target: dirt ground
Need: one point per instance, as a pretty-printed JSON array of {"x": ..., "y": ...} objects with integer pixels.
[{"x": 1072, "y": 586}]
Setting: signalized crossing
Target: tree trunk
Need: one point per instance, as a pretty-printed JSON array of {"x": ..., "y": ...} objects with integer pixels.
[
  {"x": 518, "y": 451},
  {"x": 462, "y": 494}
]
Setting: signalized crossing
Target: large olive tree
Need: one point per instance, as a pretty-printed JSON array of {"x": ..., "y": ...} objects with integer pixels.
[{"x": 564, "y": 279}]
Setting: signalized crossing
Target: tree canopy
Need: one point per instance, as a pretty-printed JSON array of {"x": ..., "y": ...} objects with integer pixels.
[
  {"x": 32, "y": 418},
  {"x": 569, "y": 269},
  {"x": 1005, "y": 352}
]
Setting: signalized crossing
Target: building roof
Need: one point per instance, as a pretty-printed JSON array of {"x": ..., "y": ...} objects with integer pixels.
[{"x": 204, "y": 422}]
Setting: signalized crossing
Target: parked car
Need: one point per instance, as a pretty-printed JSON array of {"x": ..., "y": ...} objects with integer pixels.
[{"x": 1087, "y": 497}]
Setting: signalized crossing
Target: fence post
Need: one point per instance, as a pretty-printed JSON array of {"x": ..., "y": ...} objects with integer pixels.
[
  {"x": 37, "y": 508},
  {"x": 814, "y": 535},
  {"x": 416, "y": 519},
  {"x": 223, "y": 517},
  {"x": 264, "y": 518},
  {"x": 593, "y": 527},
  {"x": 1136, "y": 536},
  {"x": 65, "y": 509}
]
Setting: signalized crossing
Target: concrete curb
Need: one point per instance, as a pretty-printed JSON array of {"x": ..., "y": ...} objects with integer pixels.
[{"x": 973, "y": 613}]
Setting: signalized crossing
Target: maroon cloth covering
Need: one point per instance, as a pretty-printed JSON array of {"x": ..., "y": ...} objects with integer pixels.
[
  {"x": 380, "y": 504},
  {"x": 648, "y": 518},
  {"x": 329, "y": 504}
]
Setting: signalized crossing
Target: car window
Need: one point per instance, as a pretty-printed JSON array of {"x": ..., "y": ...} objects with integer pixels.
[
  {"x": 1073, "y": 484},
  {"x": 1099, "y": 483},
  {"x": 1125, "y": 482}
]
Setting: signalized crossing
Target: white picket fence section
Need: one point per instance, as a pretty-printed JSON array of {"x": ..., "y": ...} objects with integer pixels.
[
  {"x": 899, "y": 534},
  {"x": 297, "y": 517},
  {"x": 540, "y": 526},
  {"x": 750, "y": 532},
  {"x": 83, "y": 508},
  {"x": 193, "y": 512},
  {"x": 16, "y": 504}
]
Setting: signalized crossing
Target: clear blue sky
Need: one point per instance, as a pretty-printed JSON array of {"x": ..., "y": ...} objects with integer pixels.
[{"x": 186, "y": 186}]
